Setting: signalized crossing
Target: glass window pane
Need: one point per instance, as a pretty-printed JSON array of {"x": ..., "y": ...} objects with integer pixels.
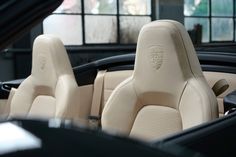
[
  {"x": 66, "y": 27},
  {"x": 100, "y": 6},
  {"x": 222, "y": 8},
  {"x": 235, "y": 8},
  {"x": 222, "y": 29},
  {"x": 100, "y": 29},
  {"x": 235, "y": 30},
  {"x": 196, "y": 7},
  {"x": 130, "y": 27},
  {"x": 190, "y": 22},
  {"x": 135, "y": 7},
  {"x": 69, "y": 6}
]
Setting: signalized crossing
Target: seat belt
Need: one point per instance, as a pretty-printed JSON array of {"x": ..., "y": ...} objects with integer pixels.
[
  {"x": 95, "y": 115},
  {"x": 220, "y": 87}
]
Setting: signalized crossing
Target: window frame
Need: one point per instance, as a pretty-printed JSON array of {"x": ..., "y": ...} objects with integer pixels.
[
  {"x": 83, "y": 14},
  {"x": 210, "y": 16}
]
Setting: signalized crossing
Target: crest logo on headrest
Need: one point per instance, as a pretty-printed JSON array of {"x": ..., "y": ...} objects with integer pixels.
[
  {"x": 42, "y": 62},
  {"x": 156, "y": 56}
]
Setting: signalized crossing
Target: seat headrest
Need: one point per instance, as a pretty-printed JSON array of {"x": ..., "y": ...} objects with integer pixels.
[
  {"x": 165, "y": 61},
  {"x": 165, "y": 50},
  {"x": 50, "y": 59}
]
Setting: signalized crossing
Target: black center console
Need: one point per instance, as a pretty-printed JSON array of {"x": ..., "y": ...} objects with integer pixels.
[{"x": 230, "y": 102}]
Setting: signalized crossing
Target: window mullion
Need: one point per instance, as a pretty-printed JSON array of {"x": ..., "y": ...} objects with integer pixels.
[
  {"x": 118, "y": 21},
  {"x": 83, "y": 22},
  {"x": 233, "y": 20},
  {"x": 210, "y": 23},
  {"x": 153, "y": 10}
]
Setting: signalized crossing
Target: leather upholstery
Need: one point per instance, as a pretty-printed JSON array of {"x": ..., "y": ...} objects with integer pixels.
[
  {"x": 167, "y": 91},
  {"x": 51, "y": 90},
  {"x": 111, "y": 81},
  {"x": 3, "y": 103},
  {"x": 114, "y": 78},
  {"x": 213, "y": 77}
]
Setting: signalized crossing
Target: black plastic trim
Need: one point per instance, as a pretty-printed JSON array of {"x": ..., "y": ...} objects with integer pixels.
[
  {"x": 62, "y": 138},
  {"x": 230, "y": 101},
  {"x": 18, "y": 17},
  {"x": 216, "y": 62},
  {"x": 85, "y": 74},
  {"x": 215, "y": 138}
]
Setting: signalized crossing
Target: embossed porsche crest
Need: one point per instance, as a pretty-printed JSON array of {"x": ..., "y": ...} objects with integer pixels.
[
  {"x": 156, "y": 56},
  {"x": 42, "y": 61}
]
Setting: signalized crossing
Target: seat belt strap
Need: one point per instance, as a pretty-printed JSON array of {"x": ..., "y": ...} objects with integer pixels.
[
  {"x": 220, "y": 87},
  {"x": 95, "y": 115}
]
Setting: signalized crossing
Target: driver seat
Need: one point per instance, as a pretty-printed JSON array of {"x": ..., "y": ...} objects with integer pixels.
[
  {"x": 51, "y": 90},
  {"x": 167, "y": 92}
]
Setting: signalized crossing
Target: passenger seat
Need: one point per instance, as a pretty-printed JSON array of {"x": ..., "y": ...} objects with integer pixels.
[
  {"x": 51, "y": 90},
  {"x": 167, "y": 91}
]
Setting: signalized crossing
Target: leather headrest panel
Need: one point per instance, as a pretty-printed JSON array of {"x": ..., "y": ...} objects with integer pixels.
[
  {"x": 50, "y": 60},
  {"x": 165, "y": 58}
]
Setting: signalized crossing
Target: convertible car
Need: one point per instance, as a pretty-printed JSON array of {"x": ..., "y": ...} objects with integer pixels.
[{"x": 159, "y": 101}]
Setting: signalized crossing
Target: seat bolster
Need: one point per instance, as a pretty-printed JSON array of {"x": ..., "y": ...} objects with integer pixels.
[
  {"x": 192, "y": 104},
  {"x": 67, "y": 97},
  {"x": 119, "y": 114},
  {"x": 23, "y": 99}
]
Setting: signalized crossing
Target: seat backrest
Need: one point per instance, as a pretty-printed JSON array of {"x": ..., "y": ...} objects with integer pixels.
[
  {"x": 51, "y": 90},
  {"x": 167, "y": 91}
]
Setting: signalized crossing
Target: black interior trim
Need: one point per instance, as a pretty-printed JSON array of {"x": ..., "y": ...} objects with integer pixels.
[
  {"x": 85, "y": 74},
  {"x": 215, "y": 138},
  {"x": 215, "y": 62},
  {"x": 67, "y": 139},
  {"x": 3, "y": 94},
  {"x": 24, "y": 15}
]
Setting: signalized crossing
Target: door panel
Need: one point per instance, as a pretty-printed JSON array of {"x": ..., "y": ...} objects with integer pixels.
[
  {"x": 213, "y": 77},
  {"x": 5, "y": 87},
  {"x": 216, "y": 138}
]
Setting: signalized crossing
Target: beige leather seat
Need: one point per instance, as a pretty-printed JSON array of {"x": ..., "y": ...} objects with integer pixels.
[
  {"x": 167, "y": 91},
  {"x": 51, "y": 90}
]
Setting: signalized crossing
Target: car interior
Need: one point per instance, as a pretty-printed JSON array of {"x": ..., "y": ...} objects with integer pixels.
[
  {"x": 155, "y": 100},
  {"x": 161, "y": 95},
  {"x": 51, "y": 89},
  {"x": 145, "y": 100}
]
